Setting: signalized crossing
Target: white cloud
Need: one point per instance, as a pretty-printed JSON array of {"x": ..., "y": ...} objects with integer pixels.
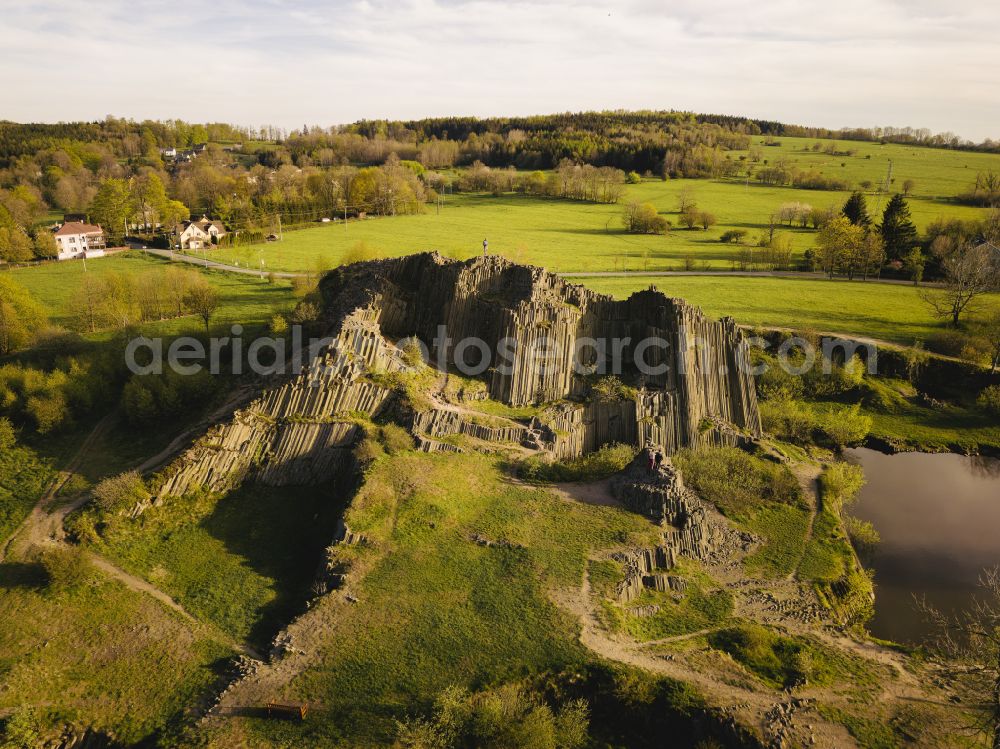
[{"x": 858, "y": 62}]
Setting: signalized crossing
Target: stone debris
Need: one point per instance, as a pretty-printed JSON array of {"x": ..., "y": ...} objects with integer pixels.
[
  {"x": 644, "y": 611},
  {"x": 283, "y": 645}
]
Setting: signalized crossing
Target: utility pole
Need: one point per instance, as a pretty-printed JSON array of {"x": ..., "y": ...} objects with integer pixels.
[{"x": 280, "y": 235}]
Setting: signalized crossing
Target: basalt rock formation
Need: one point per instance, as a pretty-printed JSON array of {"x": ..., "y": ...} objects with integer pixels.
[
  {"x": 544, "y": 341},
  {"x": 691, "y": 528}
]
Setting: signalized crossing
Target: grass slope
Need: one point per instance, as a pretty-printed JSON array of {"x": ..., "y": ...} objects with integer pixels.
[
  {"x": 99, "y": 654},
  {"x": 437, "y": 609},
  {"x": 243, "y": 562}
]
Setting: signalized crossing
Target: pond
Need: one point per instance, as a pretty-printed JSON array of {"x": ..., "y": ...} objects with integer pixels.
[{"x": 939, "y": 518}]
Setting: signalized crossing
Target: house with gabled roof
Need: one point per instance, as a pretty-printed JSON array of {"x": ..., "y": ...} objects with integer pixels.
[
  {"x": 197, "y": 235},
  {"x": 77, "y": 239}
]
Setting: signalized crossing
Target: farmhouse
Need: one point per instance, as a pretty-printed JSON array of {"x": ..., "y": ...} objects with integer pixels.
[
  {"x": 197, "y": 235},
  {"x": 76, "y": 239}
]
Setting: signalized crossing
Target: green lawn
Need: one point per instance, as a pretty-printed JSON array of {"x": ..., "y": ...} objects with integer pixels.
[
  {"x": 890, "y": 311},
  {"x": 564, "y": 235}
]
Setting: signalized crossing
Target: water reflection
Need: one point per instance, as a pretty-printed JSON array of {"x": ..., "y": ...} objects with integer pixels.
[{"x": 939, "y": 519}]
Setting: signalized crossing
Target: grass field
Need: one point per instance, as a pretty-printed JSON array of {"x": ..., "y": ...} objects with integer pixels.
[
  {"x": 97, "y": 654},
  {"x": 567, "y": 236},
  {"x": 243, "y": 299},
  {"x": 893, "y": 312}
]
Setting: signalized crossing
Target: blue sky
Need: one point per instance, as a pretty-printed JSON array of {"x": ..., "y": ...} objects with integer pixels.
[{"x": 844, "y": 63}]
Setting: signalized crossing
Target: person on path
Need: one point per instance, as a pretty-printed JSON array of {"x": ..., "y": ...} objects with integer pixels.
[
  {"x": 485, "y": 247},
  {"x": 652, "y": 460}
]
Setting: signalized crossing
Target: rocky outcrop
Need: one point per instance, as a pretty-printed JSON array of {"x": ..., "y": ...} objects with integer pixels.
[
  {"x": 691, "y": 528},
  {"x": 550, "y": 332}
]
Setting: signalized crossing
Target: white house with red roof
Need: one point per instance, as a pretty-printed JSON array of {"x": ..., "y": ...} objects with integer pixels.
[{"x": 76, "y": 239}]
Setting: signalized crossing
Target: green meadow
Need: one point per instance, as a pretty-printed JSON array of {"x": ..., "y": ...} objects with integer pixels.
[
  {"x": 568, "y": 236},
  {"x": 243, "y": 299},
  {"x": 893, "y": 312}
]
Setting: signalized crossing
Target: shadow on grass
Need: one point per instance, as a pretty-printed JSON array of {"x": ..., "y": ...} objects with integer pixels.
[
  {"x": 25, "y": 575},
  {"x": 279, "y": 533}
]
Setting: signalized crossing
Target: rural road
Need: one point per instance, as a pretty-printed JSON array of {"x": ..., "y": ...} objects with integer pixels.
[{"x": 797, "y": 275}]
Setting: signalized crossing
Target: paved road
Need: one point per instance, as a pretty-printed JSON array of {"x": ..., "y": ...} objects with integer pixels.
[
  {"x": 213, "y": 265},
  {"x": 799, "y": 275}
]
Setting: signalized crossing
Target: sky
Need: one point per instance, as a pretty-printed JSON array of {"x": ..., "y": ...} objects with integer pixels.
[{"x": 846, "y": 63}]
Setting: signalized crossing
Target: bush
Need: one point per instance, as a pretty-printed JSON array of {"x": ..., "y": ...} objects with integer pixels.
[
  {"x": 121, "y": 493},
  {"x": 863, "y": 534},
  {"x": 506, "y": 716},
  {"x": 609, "y": 460},
  {"x": 21, "y": 730},
  {"x": 735, "y": 481},
  {"x": 394, "y": 438},
  {"x": 844, "y": 426},
  {"x": 7, "y": 434},
  {"x": 610, "y": 389},
  {"x": 989, "y": 399},
  {"x": 777, "y": 660},
  {"x": 840, "y": 483},
  {"x": 959, "y": 344},
  {"x": 733, "y": 236},
  {"x": 66, "y": 566}
]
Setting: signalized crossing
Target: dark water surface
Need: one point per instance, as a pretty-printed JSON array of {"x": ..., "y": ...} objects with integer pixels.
[{"x": 939, "y": 518}]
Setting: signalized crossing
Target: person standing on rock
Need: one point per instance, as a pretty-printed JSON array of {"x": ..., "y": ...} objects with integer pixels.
[
  {"x": 658, "y": 459},
  {"x": 485, "y": 247},
  {"x": 652, "y": 460}
]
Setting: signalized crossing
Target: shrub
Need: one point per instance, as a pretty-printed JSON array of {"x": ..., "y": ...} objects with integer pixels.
[
  {"x": 610, "y": 389},
  {"x": 509, "y": 715},
  {"x": 840, "y": 483},
  {"x": 7, "y": 435},
  {"x": 592, "y": 467},
  {"x": 735, "y": 481},
  {"x": 66, "y": 566},
  {"x": 733, "y": 236},
  {"x": 989, "y": 399},
  {"x": 955, "y": 343},
  {"x": 279, "y": 325},
  {"x": 21, "y": 730},
  {"x": 120, "y": 493},
  {"x": 777, "y": 660},
  {"x": 844, "y": 426},
  {"x": 367, "y": 451},
  {"x": 788, "y": 419},
  {"x": 863, "y": 534},
  {"x": 48, "y": 411},
  {"x": 394, "y": 438}
]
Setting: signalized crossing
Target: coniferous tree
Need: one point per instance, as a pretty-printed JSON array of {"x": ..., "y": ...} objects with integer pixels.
[
  {"x": 898, "y": 232},
  {"x": 856, "y": 210}
]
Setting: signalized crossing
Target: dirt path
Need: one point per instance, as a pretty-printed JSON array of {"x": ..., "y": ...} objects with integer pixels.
[
  {"x": 808, "y": 476},
  {"x": 711, "y": 673},
  {"x": 44, "y": 520}
]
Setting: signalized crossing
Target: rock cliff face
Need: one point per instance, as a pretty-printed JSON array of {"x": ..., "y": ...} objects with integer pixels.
[{"x": 554, "y": 338}]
